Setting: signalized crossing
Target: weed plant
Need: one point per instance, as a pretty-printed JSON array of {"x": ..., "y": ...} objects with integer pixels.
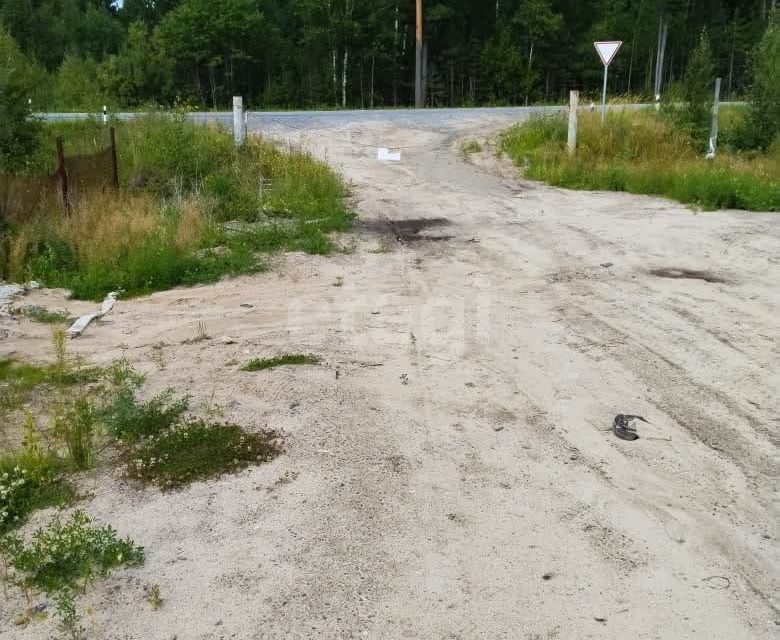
[
  {"x": 65, "y": 557},
  {"x": 129, "y": 420},
  {"x": 198, "y": 450}
]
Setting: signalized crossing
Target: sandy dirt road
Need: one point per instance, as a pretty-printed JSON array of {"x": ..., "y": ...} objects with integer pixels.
[{"x": 449, "y": 471}]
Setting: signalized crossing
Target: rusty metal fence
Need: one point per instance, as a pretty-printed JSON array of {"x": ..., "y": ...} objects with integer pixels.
[{"x": 22, "y": 196}]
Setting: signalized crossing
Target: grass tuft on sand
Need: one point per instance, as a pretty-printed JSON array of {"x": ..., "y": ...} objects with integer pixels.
[{"x": 260, "y": 364}]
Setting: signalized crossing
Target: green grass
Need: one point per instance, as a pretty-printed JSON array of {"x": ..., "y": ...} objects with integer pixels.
[
  {"x": 260, "y": 364},
  {"x": 18, "y": 380},
  {"x": 181, "y": 183},
  {"x": 43, "y": 315},
  {"x": 640, "y": 152},
  {"x": 197, "y": 450}
]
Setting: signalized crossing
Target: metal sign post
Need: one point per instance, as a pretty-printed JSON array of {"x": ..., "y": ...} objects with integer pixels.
[{"x": 606, "y": 50}]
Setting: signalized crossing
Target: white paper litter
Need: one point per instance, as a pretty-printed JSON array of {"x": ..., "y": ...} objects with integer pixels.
[
  {"x": 83, "y": 322},
  {"x": 385, "y": 155}
]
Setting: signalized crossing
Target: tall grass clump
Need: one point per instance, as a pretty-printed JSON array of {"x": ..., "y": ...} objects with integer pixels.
[
  {"x": 641, "y": 152},
  {"x": 181, "y": 184}
]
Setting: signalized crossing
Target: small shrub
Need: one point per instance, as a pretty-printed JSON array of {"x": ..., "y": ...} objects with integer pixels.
[
  {"x": 130, "y": 420},
  {"x": 198, "y": 450},
  {"x": 155, "y": 597},
  {"x": 471, "y": 146},
  {"x": 64, "y": 557},
  {"x": 260, "y": 364},
  {"x": 29, "y": 480},
  {"x": 78, "y": 429}
]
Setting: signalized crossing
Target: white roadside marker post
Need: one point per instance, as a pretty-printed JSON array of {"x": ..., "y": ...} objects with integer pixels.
[
  {"x": 714, "y": 131},
  {"x": 239, "y": 130},
  {"x": 606, "y": 50},
  {"x": 574, "y": 98}
]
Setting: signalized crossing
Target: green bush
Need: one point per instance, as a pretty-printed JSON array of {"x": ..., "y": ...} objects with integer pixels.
[
  {"x": 698, "y": 87},
  {"x": 763, "y": 121},
  {"x": 18, "y": 131},
  {"x": 64, "y": 557},
  {"x": 198, "y": 450},
  {"x": 129, "y": 420}
]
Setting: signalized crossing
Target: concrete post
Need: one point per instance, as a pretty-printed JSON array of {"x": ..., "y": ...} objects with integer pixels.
[
  {"x": 574, "y": 98},
  {"x": 239, "y": 130},
  {"x": 714, "y": 131}
]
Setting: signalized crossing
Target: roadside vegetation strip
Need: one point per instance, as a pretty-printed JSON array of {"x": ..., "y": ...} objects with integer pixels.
[
  {"x": 192, "y": 209},
  {"x": 260, "y": 364},
  {"x": 641, "y": 152}
]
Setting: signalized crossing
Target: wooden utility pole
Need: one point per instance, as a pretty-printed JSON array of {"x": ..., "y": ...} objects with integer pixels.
[
  {"x": 419, "y": 98},
  {"x": 63, "y": 173}
]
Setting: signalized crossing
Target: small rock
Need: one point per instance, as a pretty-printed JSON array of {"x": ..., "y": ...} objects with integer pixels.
[
  {"x": 547, "y": 576},
  {"x": 470, "y": 384},
  {"x": 33, "y": 284},
  {"x": 246, "y": 305},
  {"x": 601, "y": 619},
  {"x": 498, "y": 427},
  {"x": 607, "y": 265},
  {"x": 227, "y": 340}
]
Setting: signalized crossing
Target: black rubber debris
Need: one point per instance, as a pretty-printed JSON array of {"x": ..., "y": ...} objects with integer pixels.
[
  {"x": 686, "y": 274},
  {"x": 624, "y": 428}
]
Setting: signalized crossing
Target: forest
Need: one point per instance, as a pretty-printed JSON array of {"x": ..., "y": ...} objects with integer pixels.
[{"x": 81, "y": 54}]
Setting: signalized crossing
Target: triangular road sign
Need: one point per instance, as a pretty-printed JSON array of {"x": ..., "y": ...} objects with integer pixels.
[{"x": 607, "y": 50}]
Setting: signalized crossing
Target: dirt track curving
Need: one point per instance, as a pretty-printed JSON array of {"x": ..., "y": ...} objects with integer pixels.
[{"x": 451, "y": 471}]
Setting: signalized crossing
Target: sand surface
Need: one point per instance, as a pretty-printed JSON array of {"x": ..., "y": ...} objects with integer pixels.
[{"x": 449, "y": 470}]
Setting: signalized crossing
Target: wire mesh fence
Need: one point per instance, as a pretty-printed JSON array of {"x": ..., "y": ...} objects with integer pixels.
[{"x": 22, "y": 196}]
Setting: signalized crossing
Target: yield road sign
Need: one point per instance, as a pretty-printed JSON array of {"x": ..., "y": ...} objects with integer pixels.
[{"x": 607, "y": 50}]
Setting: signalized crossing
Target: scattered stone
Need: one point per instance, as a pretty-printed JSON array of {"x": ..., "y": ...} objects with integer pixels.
[
  {"x": 498, "y": 427},
  {"x": 470, "y": 384},
  {"x": 246, "y": 305},
  {"x": 547, "y": 576},
  {"x": 607, "y": 265},
  {"x": 227, "y": 340},
  {"x": 601, "y": 619}
]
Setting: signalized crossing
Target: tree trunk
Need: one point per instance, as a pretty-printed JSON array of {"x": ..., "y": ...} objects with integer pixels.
[
  {"x": 213, "y": 86},
  {"x": 199, "y": 86},
  {"x": 334, "y": 80},
  {"x": 371, "y": 98},
  {"x": 344, "y": 77}
]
